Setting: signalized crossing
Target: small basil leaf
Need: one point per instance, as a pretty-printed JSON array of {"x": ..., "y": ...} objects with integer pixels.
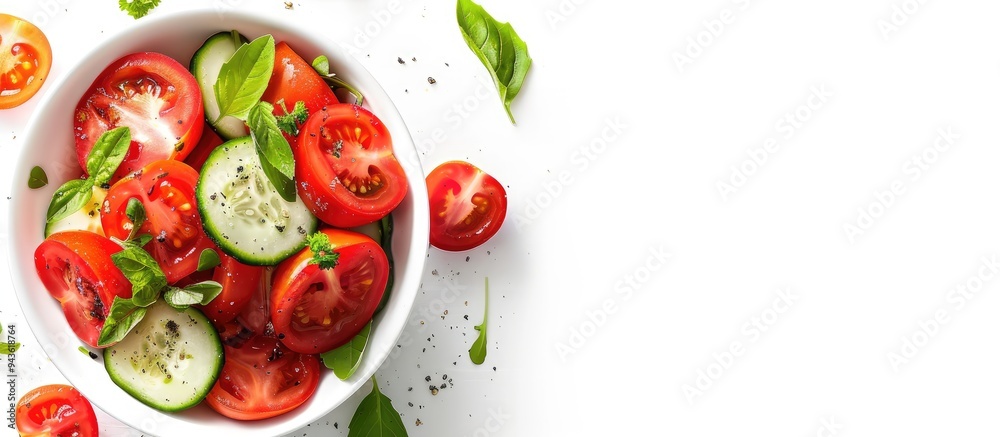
[
  {"x": 272, "y": 149},
  {"x": 141, "y": 240},
  {"x": 322, "y": 65},
  {"x": 143, "y": 272},
  {"x": 498, "y": 47},
  {"x": 208, "y": 290},
  {"x": 345, "y": 360},
  {"x": 69, "y": 198},
  {"x": 478, "y": 350},
  {"x": 244, "y": 77},
  {"x": 375, "y": 417},
  {"x": 37, "y": 178},
  {"x": 208, "y": 259},
  {"x": 136, "y": 214},
  {"x": 107, "y": 154},
  {"x": 180, "y": 299},
  {"x": 122, "y": 317}
]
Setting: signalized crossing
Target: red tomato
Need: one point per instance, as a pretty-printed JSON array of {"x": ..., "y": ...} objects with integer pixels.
[
  {"x": 209, "y": 141},
  {"x": 345, "y": 170},
  {"x": 467, "y": 206},
  {"x": 152, "y": 94},
  {"x": 293, "y": 80},
  {"x": 25, "y": 60},
  {"x": 55, "y": 410},
  {"x": 251, "y": 321},
  {"x": 263, "y": 379},
  {"x": 76, "y": 269},
  {"x": 240, "y": 283},
  {"x": 315, "y": 310},
  {"x": 166, "y": 190}
]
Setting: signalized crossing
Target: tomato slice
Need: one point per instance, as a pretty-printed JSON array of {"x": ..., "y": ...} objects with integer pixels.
[
  {"x": 25, "y": 60},
  {"x": 263, "y": 379},
  {"x": 76, "y": 269},
  {"x": 468, "y": 206},
  {"x": 55, "y": 410},
  {"x": 294, "y": 80},
  {"x": 209, "y": 141},
  {"x": 315, "y": 310},
  {"x": 345, "y": 169},
  {"x": 166, "y": 190},
  {"x": 240, "y": 282},
  {"x": 152, "y": 94}
]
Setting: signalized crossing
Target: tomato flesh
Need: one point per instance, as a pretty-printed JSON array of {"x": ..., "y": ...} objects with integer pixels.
[
  {"x": 294, "y": 80},
  {"x": 240, "y": 282},
  {"x": 77, "y": 270},
  {"x": 25, "y": 60},
  {"x": 263, "y": 379},
  {"x": 315, "y": 310},
  {"x": 166, "y": 190},
  {"x": 467, "y": 206},
  {"x": 55, "y": 410},
  {"x": 152, "y": 94},
  {"x": 345, "y": 169}
]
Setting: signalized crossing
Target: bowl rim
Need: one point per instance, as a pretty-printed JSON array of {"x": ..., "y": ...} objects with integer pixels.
[{"x": 395, "y": 315}]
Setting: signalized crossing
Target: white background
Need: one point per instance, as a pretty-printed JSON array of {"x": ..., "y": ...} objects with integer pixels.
[{"x": 582, "y": 224}]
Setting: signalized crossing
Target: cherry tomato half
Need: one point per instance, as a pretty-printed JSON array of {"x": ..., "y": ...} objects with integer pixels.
[
  {"x": 166, "y": 190},
  {"x": 263, "y": 379},
  {"x": 315, "y": 310},
  {"x": 345, "y": 170},
  {"x": 240, "y": 282},
  {"x": 55, "y": 410},
  {"x": 294, "y": 80},
  {"x": 76, "y": 269},
  {"x": 25, "y": 60},
  {"x": 152, "y": 94},
  {"x": 468, "y": 206}
]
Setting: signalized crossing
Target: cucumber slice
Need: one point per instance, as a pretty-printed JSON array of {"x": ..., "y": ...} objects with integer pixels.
[
  {"x": 169, "y": 361},
  {"x": 243, "y": 213},
  {"x": 87, "y": 218},
  {"x": 205, "y": 65}
]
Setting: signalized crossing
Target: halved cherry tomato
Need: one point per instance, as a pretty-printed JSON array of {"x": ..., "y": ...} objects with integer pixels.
[
  {"x": 25, "y": 60},
  {"x": 263, "y": 379},
  {"x": 294, "y": 80},
  {"x": 252, "y": 320},
  {"x": 467, "y": 206},
  {"x": 240, "y": 283},
  {"x": 315, "y": 310},
  {"x": 76, "y": 269},
  {"x": 209, "y": 141},
  {"x": 152, "y": 94},
  {"x": 345, "y": 170},
  {"x": 55, "y": 410},
  {"x": 166, "y": 190}
]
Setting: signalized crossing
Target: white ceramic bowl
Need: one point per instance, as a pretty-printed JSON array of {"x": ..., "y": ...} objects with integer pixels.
[{"x": 49, "y": 143}]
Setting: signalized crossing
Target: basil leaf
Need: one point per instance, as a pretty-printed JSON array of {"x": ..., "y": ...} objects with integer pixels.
[
  {"x": 122, "y": 317},
  {"x": 375, "y": 417},
  {"x": 201, "y": 293},
  {"x": 322, "y": 65},
  {"x": 344, "y": 360},
  {"x": 244, "y": 77},
  {"x": 208, "y": 259},
  {"x": 69, "y": 198},
  {"x": 478, "y": 350},
  {"x": 208, "y": 290},
  {"x": 37, "y": 178},
  {"x": 136, "y": 214},
  {"x": 107, "y": 154},
  {"x": 498, "y": 47},
  {"x": 272, "y": 149},
  {"x": 141, "y": 240},
  {"x": 143, "y": 272},
  {"x": 385, "y": 227}
]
